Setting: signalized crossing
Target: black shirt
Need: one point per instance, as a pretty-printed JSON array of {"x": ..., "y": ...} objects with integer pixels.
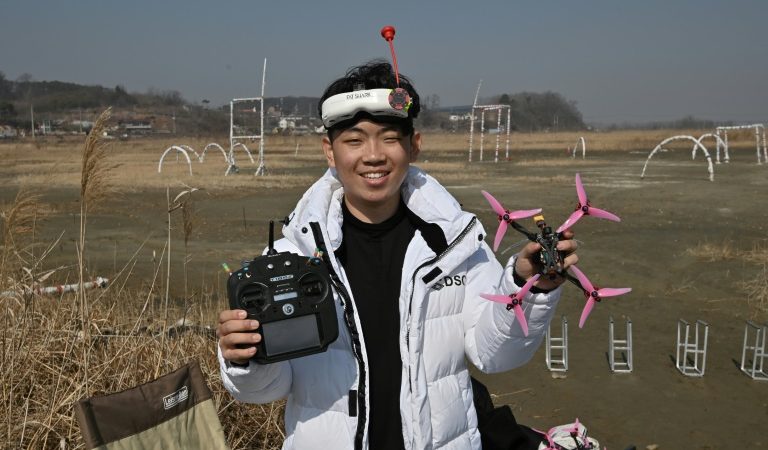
[{"x": 372, "y": 256}]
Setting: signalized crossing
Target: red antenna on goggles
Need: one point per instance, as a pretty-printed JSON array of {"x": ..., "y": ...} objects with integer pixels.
[
  {"x": 388, "y": 33},
  {"x": 399, "y": 98}
]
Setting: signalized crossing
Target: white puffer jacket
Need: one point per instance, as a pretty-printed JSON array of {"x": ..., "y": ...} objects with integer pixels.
[{"x": 443, "y": 321}]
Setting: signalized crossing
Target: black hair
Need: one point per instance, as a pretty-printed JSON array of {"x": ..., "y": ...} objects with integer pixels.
[{"x": 374, "y": 74}]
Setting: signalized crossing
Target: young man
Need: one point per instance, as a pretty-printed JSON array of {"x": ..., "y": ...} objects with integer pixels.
[{"x": 411, "y": 265}]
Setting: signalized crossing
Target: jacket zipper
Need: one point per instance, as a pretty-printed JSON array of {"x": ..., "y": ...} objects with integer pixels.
[
  {"x": 349, "y": 319},
  {"x": 432, "y": 261}
]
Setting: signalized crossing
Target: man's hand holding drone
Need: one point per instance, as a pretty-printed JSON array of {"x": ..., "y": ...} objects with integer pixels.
[{"x": 528, "y": 262}]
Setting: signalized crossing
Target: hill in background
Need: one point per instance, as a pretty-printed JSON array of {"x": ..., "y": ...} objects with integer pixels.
[{"x": 62, "y": 107}]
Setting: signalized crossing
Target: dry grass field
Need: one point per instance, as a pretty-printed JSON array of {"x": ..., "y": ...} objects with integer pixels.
[{"x": 690, "y": 249}]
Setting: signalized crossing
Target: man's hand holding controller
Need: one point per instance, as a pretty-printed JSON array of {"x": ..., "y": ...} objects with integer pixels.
[{"x": 237, "y": 336}]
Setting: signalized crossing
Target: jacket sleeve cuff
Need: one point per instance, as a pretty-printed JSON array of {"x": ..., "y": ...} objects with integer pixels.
[
  {"x": 538, "y": 307},
  {"x": 255, "y": 383}
]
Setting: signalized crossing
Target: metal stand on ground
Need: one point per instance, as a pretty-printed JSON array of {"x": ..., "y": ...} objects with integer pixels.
[
  {"x": 695, "y": 352},
  {"x": 557, "y": 349},
  {"x": 620, "y": 345},
  {"x": 757, "y": 369}
]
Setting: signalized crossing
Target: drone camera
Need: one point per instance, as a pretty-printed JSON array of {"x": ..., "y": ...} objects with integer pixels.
[{"x": 550, "y": 257}]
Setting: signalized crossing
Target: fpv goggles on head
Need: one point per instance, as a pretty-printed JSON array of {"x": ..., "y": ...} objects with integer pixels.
[{"x": 376, "y": 102}]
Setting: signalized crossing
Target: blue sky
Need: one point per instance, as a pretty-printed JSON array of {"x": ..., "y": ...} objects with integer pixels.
[{"x": 620, "y": 61}]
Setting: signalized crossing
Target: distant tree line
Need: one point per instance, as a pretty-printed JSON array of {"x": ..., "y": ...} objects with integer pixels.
[
  {"x": 686, "y": 123},
  {"x": 58, "y": 95},
  {"x": 529, "y": 111},
  {"x": 62, "y": 104}
]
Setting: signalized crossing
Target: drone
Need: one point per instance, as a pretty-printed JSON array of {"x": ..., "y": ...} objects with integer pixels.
[
  {"x": 569, "y": 436},
  {"x": 550, "y": 257}
]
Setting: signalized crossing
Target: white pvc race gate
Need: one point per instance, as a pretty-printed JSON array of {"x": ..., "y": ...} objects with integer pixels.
[
  {"x": 759, "y": 139},
  {"x": 246, "y": 129},
  {"x": 186, "y": 150},
  {"x": 214, "y": 145},
  {"x": 583, "y": 147},
  {"x": 499, "y": 109},
  {"x": 696, "y": 145},
  {"x": 178, "y": 149}
]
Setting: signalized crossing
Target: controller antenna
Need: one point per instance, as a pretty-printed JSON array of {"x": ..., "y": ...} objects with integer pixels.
[
  {"x": 271, "y": 250},
  {"x": 388, "y": 33}
]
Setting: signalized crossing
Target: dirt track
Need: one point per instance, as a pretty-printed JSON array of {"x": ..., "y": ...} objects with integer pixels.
[{"x": 674, "y": 210}]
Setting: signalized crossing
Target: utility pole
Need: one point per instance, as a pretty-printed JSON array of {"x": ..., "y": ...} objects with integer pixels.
[{"x": 32, "y": 118}]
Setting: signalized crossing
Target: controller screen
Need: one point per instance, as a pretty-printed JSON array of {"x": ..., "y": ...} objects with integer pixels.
[{"x": 285, "y": 336}]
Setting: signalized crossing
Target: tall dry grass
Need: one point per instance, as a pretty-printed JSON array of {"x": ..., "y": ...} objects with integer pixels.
[
  {"x": 94, "y": 188},
  {"x": 756, "y": 289},
  {"x": 183, "y": 202},
  {"x": 56, "y": 350},
  {"x": 43, "y": 373},
  {"x": 18, "y": 224},
  {"x": 711, "y": 252}
]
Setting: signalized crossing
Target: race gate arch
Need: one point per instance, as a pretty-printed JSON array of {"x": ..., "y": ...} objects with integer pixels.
[
  {"x": 215, "y": 145},
  {"x": 583, "y": 147},
  {"x": 696, "y": 143},
  {"x": 178, "y": 149}
]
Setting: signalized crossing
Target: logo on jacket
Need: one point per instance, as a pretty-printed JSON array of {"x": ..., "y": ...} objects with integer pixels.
[{"x": 456, "y": 280}]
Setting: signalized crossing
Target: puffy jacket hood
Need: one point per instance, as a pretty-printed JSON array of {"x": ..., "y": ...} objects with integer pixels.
[{"x": 421, "y": 193}]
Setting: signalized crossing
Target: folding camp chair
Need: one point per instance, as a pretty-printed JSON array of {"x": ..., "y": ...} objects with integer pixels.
[{"x": 173, "y": 412}]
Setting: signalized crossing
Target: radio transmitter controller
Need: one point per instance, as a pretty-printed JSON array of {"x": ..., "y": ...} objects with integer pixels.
[{"x": 290, "y": 295}]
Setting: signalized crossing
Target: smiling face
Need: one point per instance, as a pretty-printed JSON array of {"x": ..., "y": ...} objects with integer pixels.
[{"x": 372, "y": 160}]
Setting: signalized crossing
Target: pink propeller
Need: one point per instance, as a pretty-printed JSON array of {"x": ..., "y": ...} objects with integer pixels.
[
  {"x": 548, "y": 436},
  {"x": 585, "y": 209},
  {"x": 594, "y": 294},
  {"x": 515, "y": 301},
  {"x": 505, "y": 217},
  {"x": 575, "y": 430}
]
